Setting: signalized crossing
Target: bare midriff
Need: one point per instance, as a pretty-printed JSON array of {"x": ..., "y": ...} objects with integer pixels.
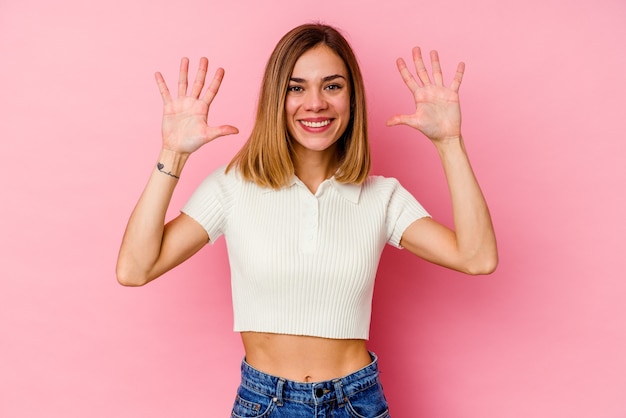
[{"x": 303, "y": 358}]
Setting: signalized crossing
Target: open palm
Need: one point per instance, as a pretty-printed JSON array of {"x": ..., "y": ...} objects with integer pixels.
[
  {"x": 185, "y": 127},
  {"x": 437, "y": 107}
]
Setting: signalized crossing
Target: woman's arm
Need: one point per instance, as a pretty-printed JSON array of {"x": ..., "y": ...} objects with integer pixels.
[
  {"x": 471, "y": 246},
  {"x": 149, "y": 247}
]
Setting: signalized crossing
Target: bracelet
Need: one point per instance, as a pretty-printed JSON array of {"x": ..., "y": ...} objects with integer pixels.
[{"x": 169, "y": 173}]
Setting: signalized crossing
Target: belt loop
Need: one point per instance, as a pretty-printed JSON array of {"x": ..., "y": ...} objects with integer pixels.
[
  {"x": 279, "y": 392},
  {"x": 339, "y": 392}
]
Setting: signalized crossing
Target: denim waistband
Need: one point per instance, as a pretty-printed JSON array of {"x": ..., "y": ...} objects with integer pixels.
[{"x": 310, "y": 393}]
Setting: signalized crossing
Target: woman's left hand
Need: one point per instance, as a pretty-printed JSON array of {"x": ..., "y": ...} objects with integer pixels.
[{"x": 437, "y": 107}]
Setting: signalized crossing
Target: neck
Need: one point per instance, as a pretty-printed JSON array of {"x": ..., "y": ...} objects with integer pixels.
[{"x": 313, "y": 167}]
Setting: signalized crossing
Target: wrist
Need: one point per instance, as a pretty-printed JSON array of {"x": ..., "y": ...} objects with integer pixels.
[
  {"x": 171, "y": 163},
  {"x": 452, "y": 150},
  {"x": 449, "y": 143}
]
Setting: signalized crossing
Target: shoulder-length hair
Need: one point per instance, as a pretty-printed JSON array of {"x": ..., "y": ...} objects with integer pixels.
[{"x": 266, "y": 158}]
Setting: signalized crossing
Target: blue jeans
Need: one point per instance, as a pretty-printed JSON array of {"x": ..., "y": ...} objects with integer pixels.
[{"x": 358, "y": 395}]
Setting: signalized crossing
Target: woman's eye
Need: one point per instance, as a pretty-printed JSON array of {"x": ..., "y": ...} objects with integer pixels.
[
  {"x": 333, "y": 87},
  {"x": 294, "y": 89}
]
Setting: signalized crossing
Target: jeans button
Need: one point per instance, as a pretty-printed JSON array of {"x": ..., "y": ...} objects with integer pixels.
[{"x": 319, "y": 392}]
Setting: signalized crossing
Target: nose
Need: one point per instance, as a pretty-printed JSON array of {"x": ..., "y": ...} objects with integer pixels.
[{"x": 315, "y": 101}]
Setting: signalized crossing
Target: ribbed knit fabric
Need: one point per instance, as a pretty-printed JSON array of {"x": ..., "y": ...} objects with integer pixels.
[{"x": 303, "y": 264}]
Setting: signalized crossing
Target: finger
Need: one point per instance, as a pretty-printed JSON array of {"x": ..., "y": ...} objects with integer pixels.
[
  {"x": 397, "y": 120},
  {"x": 165, "y": 92},
  {"x": 214, "y": 87},
  {"x": 406, "y": 75},
  {"x": 215, "y": 132},
  {"x": 420, "y": 68},
  {"x": 437, "y": 75},
  {"x": 458, "y": 77},
  {"x": 198, "y": 83},
  {"x": 182, "y": 77},
  {"x": 228, "y": 130}
]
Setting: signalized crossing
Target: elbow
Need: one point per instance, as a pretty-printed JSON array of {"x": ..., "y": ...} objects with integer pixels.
[
  {"x": 482, "y": 266},
  {"x": 126, "y": 277},
  {"x": 129, "y": 282},
  {"x": 482, "y": 270}
]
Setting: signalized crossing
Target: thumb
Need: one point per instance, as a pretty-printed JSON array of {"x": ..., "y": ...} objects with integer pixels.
[
  {"x": 397, "y": 120},
  {"x": 228, "y": 130},
  {"x": 213, "y": 133}
]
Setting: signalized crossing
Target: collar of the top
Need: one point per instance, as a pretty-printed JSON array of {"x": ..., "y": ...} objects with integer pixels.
[{"x": 348, "y": 191}]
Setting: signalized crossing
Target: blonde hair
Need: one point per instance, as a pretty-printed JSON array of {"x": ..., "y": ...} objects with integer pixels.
[{"x": 266, "y": 158}]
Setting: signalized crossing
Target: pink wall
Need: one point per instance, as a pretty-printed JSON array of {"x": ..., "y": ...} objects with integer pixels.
[{"x": 544, "y": 113}]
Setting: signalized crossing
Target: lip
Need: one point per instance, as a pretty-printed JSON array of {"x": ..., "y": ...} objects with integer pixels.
[{"x": 317, "y": 124}]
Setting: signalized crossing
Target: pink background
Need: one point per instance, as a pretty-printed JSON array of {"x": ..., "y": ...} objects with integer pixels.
[{"x": 543, "y": 101}]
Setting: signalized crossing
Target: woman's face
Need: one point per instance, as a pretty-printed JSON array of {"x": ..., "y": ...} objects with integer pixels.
[{"x": 317, "y": 106}]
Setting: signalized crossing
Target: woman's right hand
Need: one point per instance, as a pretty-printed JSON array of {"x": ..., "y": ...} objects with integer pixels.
[{"x": 185, "y": 127}]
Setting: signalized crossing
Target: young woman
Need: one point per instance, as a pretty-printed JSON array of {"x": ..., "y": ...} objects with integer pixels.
[{"x": 304, "y": 222}]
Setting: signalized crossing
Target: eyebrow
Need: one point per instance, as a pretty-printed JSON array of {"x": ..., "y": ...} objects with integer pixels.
[{"x": 325, "y": 79}]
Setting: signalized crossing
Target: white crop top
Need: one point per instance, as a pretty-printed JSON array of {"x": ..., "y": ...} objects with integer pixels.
[{"x": 303, "y": 264}]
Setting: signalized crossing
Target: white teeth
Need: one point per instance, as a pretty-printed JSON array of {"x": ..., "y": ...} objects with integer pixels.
[{"x": 315, "y": 124}]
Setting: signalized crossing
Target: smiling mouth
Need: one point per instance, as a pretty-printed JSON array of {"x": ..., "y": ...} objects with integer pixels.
[{"x": 320, "y": 124}]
